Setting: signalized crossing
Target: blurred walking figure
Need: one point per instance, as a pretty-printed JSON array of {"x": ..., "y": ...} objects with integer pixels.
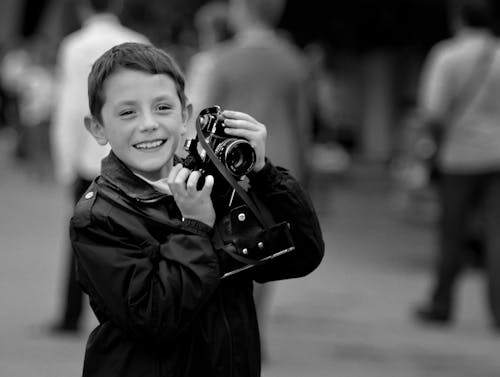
[
  {"x": 13, "y": 67},
  {"x": 469, "y": 160},
  {"x": 26, "y": 77},
  {"x": 77, "y": 158},
  {"x": 213, "y": 28},
  {"x": 36, "y": 100},
  {"x": 261, "y": 72},
  {"x": 328, "y": 154}
]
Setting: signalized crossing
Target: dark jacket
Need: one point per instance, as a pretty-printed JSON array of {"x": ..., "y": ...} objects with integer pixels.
[{"x": 154, "y": 280}]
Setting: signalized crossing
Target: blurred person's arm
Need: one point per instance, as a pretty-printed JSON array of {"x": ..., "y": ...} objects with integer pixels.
[
  {"x": 70, "y": 107},
  {"x": 435, "y": 90},
  {"x": 304, "y": 120},
  {"x": 197, "y": 85}
]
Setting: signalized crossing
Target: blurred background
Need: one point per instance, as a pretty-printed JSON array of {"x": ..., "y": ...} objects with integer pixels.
[
  {"x": 372, "y": 51},
  {"x": 351, "y": 317}
]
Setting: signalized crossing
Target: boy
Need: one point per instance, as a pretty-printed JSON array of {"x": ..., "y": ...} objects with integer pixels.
[{"x": 142, "y": 232}]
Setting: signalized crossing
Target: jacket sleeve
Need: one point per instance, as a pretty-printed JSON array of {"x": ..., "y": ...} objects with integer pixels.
[
  {"x": 151, "y": 291},
  {"x": 287, "y": 201}
]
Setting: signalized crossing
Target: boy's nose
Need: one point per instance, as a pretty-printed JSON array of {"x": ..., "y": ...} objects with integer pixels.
[{"x": 149, "y": 123}]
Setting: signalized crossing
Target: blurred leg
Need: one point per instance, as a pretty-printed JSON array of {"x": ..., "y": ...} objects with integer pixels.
[
  {"x": 492, "y": 243},
  {"x": 73, "y": 298},
  {"x": 457, "y": 201},
  {"x": 261, "y": 294}
]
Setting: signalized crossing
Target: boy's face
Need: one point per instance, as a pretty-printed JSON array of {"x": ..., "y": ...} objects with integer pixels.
[{"x": 142, "y": 120}]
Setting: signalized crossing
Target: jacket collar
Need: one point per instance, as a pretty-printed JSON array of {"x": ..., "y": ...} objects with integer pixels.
[{"x": 114, "y": 171}]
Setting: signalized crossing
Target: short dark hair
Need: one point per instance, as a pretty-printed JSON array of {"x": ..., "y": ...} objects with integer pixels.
[
  {"x": 214, "y": 17},
  {"x": 268, "y": 11},
  {"x": 475, "y": 13},
  {"x": 103, "y": 5},
  {"x": 135, "y": 56}
]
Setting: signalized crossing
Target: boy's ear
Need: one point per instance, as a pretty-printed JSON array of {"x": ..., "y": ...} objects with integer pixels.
[
  {"x": 96, "y": 129},
  {"x": 187, "y": 113}
]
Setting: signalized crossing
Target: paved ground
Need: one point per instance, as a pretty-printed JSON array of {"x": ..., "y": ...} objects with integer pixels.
[{"x": 350, "y": 318}]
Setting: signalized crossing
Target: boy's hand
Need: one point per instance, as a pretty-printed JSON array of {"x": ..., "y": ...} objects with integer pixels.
[
  {"x": 242, "y": 125},
  {"x": 193, "y": 204}
]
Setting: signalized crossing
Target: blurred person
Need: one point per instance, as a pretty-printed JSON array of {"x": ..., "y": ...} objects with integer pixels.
[
  {"x": 13, "y": 67},
  {"x": 145, "y": 237},
  {"x": 322, "y": 83},
  {"x": 27, "y": 81},
  {"x": 262, "y": 72},
  {"x": 328, "y": 155},
  {"x": 212, "y": 27},
  {"x": 76, "y": 156},
  {"x": 36, "y": 99},
  {"x": 469, "y": 160}
]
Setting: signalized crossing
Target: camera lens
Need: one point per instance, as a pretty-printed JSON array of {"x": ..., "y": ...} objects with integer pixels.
[{"x": 237, "y": 155}]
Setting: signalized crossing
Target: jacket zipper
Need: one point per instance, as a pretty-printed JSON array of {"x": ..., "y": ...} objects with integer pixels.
[{"x": 228, "y": 328}]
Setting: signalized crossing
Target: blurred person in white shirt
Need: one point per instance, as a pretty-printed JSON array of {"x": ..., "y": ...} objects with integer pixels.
[
  {"x": 76, "y": 156},
  {"x": 213, "y": 28}
]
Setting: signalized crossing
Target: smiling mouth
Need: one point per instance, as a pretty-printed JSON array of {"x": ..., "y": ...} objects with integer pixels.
[{"x": 147, "y": 145}]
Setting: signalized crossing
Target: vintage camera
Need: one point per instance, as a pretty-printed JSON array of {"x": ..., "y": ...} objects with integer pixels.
[
  {"x": 245, "y": 233},
  {"x": 235, "y": 154}
]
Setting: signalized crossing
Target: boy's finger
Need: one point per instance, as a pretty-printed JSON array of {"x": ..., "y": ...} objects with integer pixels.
[
  {"x": 231, "y": 114},
  {"x": 209, "y": 184},
  {"x": 237, "y": 123},
  {"x": 241, "y": 132},
  {"x": 182, "y": 176},
  {"x": 192, "y": 181},
  {"x": 173, "y": 173},
  {"x": 243, "y": 124}
]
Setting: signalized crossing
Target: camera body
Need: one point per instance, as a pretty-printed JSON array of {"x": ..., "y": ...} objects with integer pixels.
[{"x": 235, "y": 154}]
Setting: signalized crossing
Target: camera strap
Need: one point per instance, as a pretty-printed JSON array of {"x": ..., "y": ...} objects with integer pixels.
[{"x": 230, "y": 179}]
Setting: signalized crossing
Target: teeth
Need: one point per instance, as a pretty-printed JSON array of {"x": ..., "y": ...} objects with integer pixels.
[{"x": 149, "y": 144}]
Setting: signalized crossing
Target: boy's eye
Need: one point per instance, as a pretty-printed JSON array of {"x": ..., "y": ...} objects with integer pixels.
[
  {"x": 126, "y": 113},
  {"x": 163, "y": 107}
]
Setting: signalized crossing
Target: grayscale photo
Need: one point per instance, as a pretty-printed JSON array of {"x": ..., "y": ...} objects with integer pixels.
[{"x": 249, "y": 188}]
